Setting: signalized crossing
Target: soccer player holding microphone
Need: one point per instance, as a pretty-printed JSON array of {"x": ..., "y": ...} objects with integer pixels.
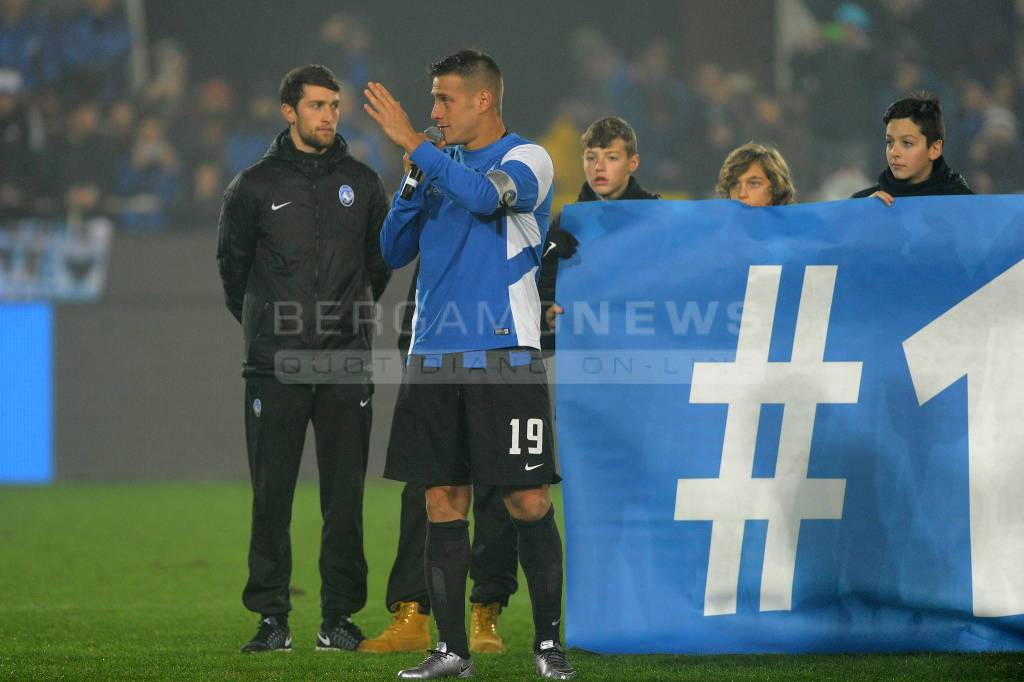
[{"x": 473, "y": 406}]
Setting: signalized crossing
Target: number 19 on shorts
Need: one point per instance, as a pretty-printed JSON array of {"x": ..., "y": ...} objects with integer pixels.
[{"x": 534, "y": 434}]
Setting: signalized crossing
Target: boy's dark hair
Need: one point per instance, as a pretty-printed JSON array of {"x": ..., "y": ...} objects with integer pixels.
[
  {"x": 924, "y": 110},
  {"x": 603, "y": 132},
  {"x": 311, "y": 74},
  {"x": 472, "y": 64}
]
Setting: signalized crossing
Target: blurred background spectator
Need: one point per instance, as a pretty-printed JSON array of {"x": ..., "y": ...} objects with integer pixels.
[
  {"x": 95, "y": 44},
  {"x": 17, "y": 171},
  {"x": 147, "y": 177}
]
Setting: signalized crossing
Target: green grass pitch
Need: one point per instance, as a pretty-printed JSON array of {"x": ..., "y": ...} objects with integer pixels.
[{"x": 143, "y": 582}]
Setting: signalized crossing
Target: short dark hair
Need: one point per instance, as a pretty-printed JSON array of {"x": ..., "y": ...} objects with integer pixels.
[
  {"x": 604, "y": 131},
  {"x": 310, "y": 74},
  {"x": 924, "y": 110},
  {"x": 472, "y": 64}
]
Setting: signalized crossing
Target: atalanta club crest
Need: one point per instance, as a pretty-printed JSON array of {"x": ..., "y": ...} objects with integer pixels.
[
  {"x": 257, "y": 407},
  {"x": 346, "y": 195}
]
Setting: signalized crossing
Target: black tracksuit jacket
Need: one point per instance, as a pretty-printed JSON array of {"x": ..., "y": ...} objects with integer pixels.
[
  {"x": 942, "y": 181},
  {"x": 299, "y": 252}
]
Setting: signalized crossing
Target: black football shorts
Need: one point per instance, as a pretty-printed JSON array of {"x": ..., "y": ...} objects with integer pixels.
[{"x": 481, "y": 417}]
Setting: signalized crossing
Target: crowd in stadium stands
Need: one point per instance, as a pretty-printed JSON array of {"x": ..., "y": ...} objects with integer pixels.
[{"x": 77, "y": 141}]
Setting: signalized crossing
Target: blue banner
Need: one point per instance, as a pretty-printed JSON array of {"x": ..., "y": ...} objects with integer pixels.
[{"x": 794, "y": 429}]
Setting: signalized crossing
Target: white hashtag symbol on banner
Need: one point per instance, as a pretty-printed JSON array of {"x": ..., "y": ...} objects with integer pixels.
[{"x": 745, "y": 385}]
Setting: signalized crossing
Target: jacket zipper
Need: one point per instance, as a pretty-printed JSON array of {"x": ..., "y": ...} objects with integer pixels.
[{"x": 316, "y": 261}]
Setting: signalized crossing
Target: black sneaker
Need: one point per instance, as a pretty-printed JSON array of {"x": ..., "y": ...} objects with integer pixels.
[
  {"x": 552, "y": 663},
  {"x": 342, "y": 635},
  {"x": 273, "y": 635},
  {"x": 440, "y": 663}
]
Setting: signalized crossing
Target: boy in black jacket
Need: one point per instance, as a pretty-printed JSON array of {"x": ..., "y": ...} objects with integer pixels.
[
  {"x": 610, "y": 158},
  {"x": 914, "y": 134}
]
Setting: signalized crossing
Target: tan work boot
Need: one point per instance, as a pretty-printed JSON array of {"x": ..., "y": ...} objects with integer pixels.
[
  {"x": 483, "y": 630},
  {"x": 409, "y": 631}
]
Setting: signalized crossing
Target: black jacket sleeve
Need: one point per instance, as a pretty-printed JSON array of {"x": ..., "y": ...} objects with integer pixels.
[
  {"x": 558, "y": 245},
  {"x": 236, "y": 244},
  {"x": 548, "y": 267},
  {"x": 376, "y": 267}
]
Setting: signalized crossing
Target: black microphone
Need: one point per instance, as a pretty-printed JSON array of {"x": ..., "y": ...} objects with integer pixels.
[{"x": 415, "y": 175}]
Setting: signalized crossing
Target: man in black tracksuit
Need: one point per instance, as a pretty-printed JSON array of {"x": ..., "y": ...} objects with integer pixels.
[
  {"x": 610, "y": 158},
  {"x": 299, "y": 258}
]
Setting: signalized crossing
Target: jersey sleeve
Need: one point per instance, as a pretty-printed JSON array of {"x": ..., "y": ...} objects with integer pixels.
[
  {"x": 400, "y": 233},
  {"x": 524, "y": 177},
  {"x": 468, "y": 188},
  {"x": 520, "y": 183}
]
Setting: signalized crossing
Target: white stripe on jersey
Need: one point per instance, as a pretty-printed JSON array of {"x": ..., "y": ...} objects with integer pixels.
[
  {"x": 522, "y": 232},
  {"x": 415, "y": 317},
  {"x": 537, "y": 160},
  {"x": 524, "y": 301}
]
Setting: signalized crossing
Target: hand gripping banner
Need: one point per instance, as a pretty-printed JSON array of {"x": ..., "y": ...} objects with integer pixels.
[{"x": 794, "y": 429}]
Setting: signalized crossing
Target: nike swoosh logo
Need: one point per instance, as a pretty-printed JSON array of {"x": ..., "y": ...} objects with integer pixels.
[
  {"x": 323, "y": 640},
  {"x": 288, "y": 642},
  {"x": 274, "y": 207},
  {"x": 535, "y": 466},
  {"x": 551, "y": 245},
  {"x": 364, "y": 403}
]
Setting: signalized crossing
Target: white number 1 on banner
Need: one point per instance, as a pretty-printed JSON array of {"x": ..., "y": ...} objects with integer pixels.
[{"x": 983, "y": 337}]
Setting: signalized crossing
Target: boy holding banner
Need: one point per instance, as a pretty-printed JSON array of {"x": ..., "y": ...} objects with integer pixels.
[
  {"x": 914, "y": 134},
  {"x": 610, "y": 158}
]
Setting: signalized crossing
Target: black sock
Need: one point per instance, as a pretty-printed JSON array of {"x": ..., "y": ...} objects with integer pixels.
[
  {"x": 446, "y": 562},
  {"x": 281, "y": 618},
  {"x": 540, "y": 553},
  {"x": 332, "y": 618}
]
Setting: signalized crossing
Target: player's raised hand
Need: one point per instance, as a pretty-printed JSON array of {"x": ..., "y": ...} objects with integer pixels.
[{"x": 391, "y": 117}]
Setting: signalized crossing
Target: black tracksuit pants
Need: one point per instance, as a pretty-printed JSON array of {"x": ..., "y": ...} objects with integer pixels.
[
  {"x": 276, "y": 418},
  {"x": 493, "y": 563}
]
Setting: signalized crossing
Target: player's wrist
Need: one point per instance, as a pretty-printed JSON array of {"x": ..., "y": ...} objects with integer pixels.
[
  {"x": 421, "y": 154},
  {"x": 412, "y": 141}
]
